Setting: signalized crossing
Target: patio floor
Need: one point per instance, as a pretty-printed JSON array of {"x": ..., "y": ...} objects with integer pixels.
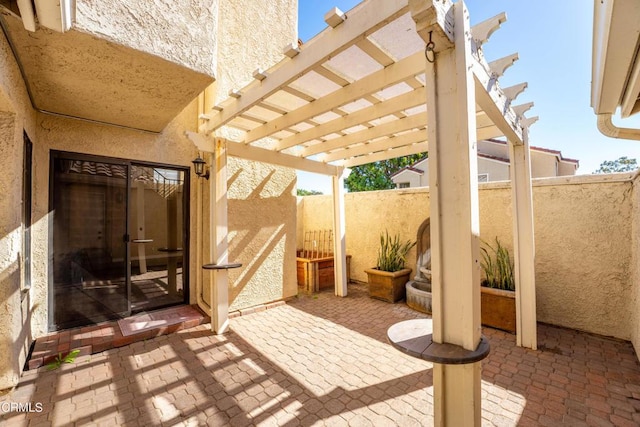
[{"x": 323, "y": 360}]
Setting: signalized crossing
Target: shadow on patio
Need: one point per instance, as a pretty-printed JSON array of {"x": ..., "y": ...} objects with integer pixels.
[{"x": 324, "y": 360}]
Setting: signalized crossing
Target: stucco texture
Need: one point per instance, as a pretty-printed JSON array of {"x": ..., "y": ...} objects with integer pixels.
[
  {"x": 262, "y": 213},
  {"x": 15, "y": 305},
  {"x": 583, "y": 254},
  {"x": 182, "y": 32},
  {"x": 634, "y": 301},
  {"x": 262, "y": 203}
]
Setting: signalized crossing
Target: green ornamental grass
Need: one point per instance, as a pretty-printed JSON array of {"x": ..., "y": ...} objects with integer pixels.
[
  {"x": 497, "y": 267},
  {"x": 392, "y": 254}
]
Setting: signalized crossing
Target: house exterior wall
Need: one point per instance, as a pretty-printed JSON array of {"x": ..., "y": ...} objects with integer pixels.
[
  {"x": 262, "y": 204},
  {"x": 15, "y": 115},
  {"x": 414, "y": 179},
  {"x": 635, "y": 265},
  {"x": 583, "y": 255},
  {"x": 183, "y": 32},
  {"x": 497, "y": 171},
  {"x": 543, "y": 165},
  {"x": 566, "y": 168}
]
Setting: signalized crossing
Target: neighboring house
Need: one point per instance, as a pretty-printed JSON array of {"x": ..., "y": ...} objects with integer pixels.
[
  {"x": 493, "y": 165},
  {"x": 101, "y": 215}
]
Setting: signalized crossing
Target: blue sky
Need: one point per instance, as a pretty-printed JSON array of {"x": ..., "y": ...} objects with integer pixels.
[{"x": 553, "y": 40}]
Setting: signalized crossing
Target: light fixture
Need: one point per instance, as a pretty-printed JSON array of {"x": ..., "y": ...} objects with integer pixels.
[{"x": 199, "y": 167}]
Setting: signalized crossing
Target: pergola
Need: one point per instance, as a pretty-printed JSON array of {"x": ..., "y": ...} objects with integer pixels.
[{"x": 388, "y": 79}]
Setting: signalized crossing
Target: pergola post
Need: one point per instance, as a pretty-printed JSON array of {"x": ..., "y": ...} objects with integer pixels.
[
  {"x": 523, "y": 244},
  {"x": 454, "y": 205},
  {"x": 218, "y": 238},
  {"x": 339, "y": 233}
]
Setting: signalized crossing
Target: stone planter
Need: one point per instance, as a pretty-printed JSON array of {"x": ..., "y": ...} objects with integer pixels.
[
  {"x": 498, "y": 308},
  {"x": 387, "y": 286}
]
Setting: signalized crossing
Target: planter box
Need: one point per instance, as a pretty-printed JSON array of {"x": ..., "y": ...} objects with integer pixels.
[
  {"x": 498, "y": 309},
  {"x": 317, "y": 274},
  {"x": 387, "y": 286}
]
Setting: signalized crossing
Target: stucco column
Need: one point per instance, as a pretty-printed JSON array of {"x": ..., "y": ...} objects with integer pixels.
[
  {"x": 218, "y": 234},
  {"x": 523, "y": 244},
  {"x": 453, "y": 191},
  {"x": 339, "y": 233}
]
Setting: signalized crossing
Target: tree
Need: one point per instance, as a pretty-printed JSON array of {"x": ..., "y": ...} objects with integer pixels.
[
  {"x": 623, "y": 164},
  {"x": 377, "y": 175},
  {"x": 303, "y": 192}
]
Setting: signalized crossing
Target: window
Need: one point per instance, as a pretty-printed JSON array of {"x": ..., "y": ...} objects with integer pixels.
[
  {"x": 483, "y": 177},
  {"x": 403, "y": 185}
]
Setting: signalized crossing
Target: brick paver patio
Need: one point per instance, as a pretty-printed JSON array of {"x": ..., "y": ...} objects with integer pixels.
[{"x": 323, "y": 360}]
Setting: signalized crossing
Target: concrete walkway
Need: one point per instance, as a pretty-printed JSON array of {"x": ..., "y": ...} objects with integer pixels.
[{"x": 323, "y": 360}]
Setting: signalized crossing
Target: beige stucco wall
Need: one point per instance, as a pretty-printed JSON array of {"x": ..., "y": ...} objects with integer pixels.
[
  {"x": 15, "y": 115},
  {"x": 183, "y": 32},
  {"x": 543, "y": 164},
  {"x": 497, "y": 171},
  {"x": 262, "y": 203},
  {"x": 634, "y": 300},
  {"x": 583, "y": 254}
]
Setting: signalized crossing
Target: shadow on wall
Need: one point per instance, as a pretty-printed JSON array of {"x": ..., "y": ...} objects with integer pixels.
[
  {"x": 259, "y": 233},
  {"x": 14, "y": 346}
]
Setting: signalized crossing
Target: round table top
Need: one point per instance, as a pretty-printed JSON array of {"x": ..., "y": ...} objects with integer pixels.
[
  {"x": 414, "y": 337},
  {"x": 221, "y": 266}
]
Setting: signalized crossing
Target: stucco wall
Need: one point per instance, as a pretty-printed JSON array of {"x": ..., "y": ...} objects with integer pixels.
[
  {"x": 262, "y": 205},
  {"x": 184, "y": 32},
  {"x": 15, "y": 115},
  {"x": 262, "y": 201},
  {"x": 635, "y": 265},
  {"x": 543, "y": 164},
  {"x": 407, "y": 176},
  {"x": 583, "y": 253},
  {"x": 497, "y": 171}
]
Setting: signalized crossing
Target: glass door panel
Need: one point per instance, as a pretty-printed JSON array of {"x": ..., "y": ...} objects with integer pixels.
[
  {"x": 157, "y": 237},
  {"x": 89, "y": 249}
]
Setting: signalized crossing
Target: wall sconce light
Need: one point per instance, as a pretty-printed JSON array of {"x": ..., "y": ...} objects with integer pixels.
[{"x": 199, "y": 167}]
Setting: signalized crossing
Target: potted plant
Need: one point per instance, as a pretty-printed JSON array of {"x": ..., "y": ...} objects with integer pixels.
[
  {"x": 498, "y": 299},
  {"x": 387, "y": 280}
]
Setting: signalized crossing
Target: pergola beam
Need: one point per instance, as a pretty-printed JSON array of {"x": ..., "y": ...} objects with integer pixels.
[
  {"x": 257, "y": 154},
  {"x": 363, "y": 20}
]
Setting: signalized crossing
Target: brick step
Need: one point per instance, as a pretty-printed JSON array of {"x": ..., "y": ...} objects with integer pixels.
[{"x": 98, "y": 338}]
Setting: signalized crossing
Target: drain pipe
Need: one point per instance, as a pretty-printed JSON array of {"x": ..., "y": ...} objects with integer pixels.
[
  {"x": 607, "y": 128},
  {"x": 204, "y": 305}
]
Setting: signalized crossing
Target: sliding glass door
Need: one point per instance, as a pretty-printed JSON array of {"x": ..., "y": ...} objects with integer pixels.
[
  {"x": 118, "y": 239},
  {"x": 157, "y": 236}
]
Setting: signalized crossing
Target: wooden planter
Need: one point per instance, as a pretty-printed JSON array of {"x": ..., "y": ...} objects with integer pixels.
[
  {"x": 387, "y": 286},
  {"x": 317, "y": 274},
  {"x": 498, "y": 308}
]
